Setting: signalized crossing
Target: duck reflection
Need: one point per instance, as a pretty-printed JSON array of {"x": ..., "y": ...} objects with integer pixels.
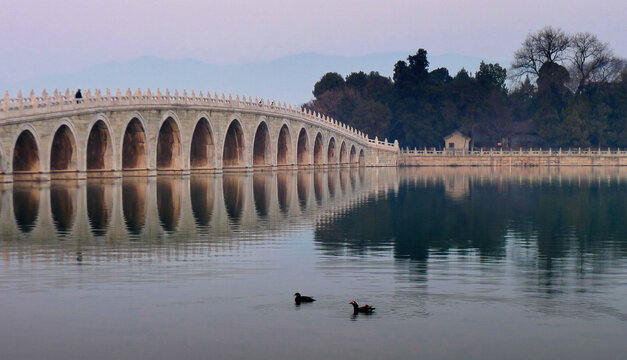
[
  {"x": 201, "y": 193},
  {"x": 302, "y": 184},
  {"x": 261, "y": 193},
  {"x": 134, "y": 203},
  {"x": 318, "y": 186},
  {"x": 25, "y": 206},
  {"x": 284, "y": 191},
  {"x": 233, "y": 191},
  {"x": 169, "y": 202},
  {"x": 63, "y": 205},
  {"x": 99, "y": 205}
]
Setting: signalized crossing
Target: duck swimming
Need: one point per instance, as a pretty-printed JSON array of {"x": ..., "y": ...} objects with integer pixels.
[
  {"x": 366, "y": 309},
  {"x": 300, "y": 298}
]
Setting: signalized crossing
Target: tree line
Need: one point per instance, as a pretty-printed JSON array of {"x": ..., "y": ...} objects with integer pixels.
[{"x": 571, "y": 87}]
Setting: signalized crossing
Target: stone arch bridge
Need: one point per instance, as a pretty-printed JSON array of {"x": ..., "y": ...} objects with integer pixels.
[{"x": 144, "y": 133}]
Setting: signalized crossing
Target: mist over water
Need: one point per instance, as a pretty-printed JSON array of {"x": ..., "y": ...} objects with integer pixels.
[{"x": 468, "y": 263}]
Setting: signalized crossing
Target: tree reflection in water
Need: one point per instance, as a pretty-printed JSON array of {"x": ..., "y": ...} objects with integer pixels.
[{"x": 423, "y": 217}]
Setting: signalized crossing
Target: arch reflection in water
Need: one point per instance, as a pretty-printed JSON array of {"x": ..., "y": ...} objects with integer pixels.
[
  {"x": 233, "y": 192},
  {"x": 169, "y": 202},
  {"x": 284, "y": 190},
  {"x": 63, "y": 204},
  {"x": 302, "y": 184},
  {"x": 26, "y": 206},
  {"x": 99, "y": 205},
  {"x": 134, "y": 203},
  {"x": 353, "y": 176},
  {"x": 201, "y": 190},
  {"x": 332, "y": 178},
  {"x": 318, "y": 186},
  {"x": 261, "y": 193},
  {"x": 343, "y": 181}
]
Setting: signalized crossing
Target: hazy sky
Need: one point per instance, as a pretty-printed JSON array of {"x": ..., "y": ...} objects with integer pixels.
[{"x": 43, "y": 36}]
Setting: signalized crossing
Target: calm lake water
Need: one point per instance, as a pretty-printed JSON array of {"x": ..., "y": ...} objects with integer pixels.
[{"x": 460, "y": 263}]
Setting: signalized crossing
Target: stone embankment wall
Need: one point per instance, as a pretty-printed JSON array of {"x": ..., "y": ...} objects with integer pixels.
[{"x": 514, "y": 158}]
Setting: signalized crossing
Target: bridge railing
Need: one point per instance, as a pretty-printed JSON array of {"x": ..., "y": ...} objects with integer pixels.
[
  {"x": 13, "y": 108},
  {"x": 519, "y": 152}
]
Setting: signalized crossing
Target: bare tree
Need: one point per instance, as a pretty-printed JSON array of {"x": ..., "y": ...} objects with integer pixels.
[
  {"x": 611, "y": 72},
  {"x": 591, "y": 61},
  {"x": 546, "y": 45}
]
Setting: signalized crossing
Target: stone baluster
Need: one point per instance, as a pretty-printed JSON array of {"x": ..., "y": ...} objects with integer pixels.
[
  {"x": 97, "y": 97},
  {"x": 56, "y": 95},
  {"x": 128, "y": 96},
  {"x": 5, "y": 104},
  {"x": 19, "y": 102},
  {"x": 86, "y": 98},
  {"x": 167, "y": 99},
  {"x": 45, "y": 100},
  {"x": 33, "y": 101}
]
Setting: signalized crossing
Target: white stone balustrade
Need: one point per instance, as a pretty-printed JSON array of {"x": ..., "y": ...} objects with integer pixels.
[{"x": 21, "y": 107}]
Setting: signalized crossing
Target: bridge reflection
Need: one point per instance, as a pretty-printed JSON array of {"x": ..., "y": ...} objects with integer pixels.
[
  {"x": 352, "y": 208},
  {"x": 167, "y": 206}
]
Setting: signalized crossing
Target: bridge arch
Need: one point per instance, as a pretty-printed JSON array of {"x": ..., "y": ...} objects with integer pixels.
[
  {"x": 99, "y": 151},
  {"x": 169, "y": 153},
  {"x": 134, "y": 144},
  {"x": 234, "y": 145},
  {"x": 63, "y": 149},
  {"x": 303, "y": 156},
  {"x": 202, "y": 154},
  {"x": 331, "y": 152},
  {"x": 284, "y": 146},
  {"x": 25, "y": 151},
  {"x": 318, "y": 150},
  {"x": 262, "y": 145},
  {"x": 353, "y": 155},
  {"x": 343, "y": 153}
]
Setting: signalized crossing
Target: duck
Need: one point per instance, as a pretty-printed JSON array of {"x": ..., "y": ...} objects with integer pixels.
[
  {"x": 300, "y": 298},
  {"x": 366, "y": 309}
]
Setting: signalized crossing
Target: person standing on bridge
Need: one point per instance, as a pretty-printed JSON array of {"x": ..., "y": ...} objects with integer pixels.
[{"x": 78, "y": 96}]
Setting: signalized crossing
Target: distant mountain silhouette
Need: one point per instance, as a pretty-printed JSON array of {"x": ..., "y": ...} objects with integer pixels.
[{"x": 289, "y": 78}]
